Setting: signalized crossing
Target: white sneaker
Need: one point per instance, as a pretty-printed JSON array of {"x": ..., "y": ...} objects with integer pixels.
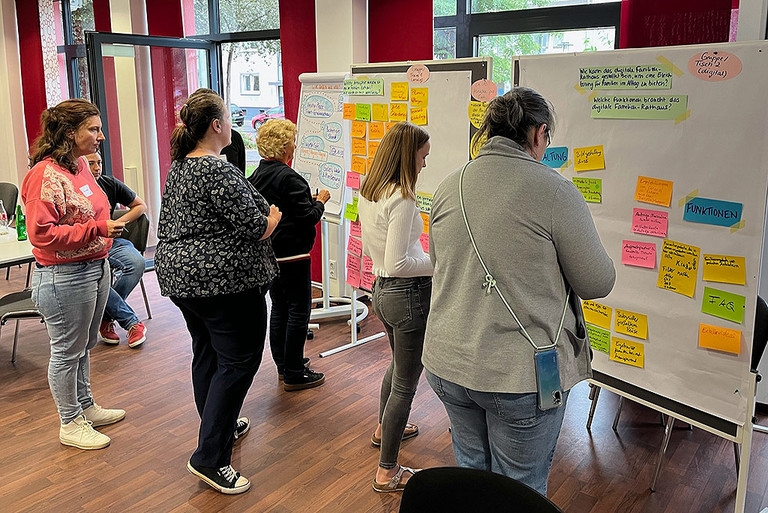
[
  {"x": 80, "y": 433},
  {"x": 99, "y": 416}
]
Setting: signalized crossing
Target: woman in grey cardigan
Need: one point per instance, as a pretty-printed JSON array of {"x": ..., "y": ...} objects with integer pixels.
[{"x": 537, "y": 240}]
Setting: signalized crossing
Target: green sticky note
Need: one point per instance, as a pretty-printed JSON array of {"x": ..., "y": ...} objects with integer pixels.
[
  {"x": 363, "y": 111},
  {"x": 662, "y": 106},
  {"x": 590, "y": 188},
  {"x": 723, "y": 304},
  {"x": 351, "y": 211},
  {"x": 599, "y": 339}
]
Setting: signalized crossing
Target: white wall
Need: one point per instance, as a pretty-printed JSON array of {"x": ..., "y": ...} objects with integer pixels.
[{"x": 13, "y": 145}]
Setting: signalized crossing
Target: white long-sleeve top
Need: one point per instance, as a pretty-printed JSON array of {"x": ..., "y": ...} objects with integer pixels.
[{"x": 391, "y": 228}]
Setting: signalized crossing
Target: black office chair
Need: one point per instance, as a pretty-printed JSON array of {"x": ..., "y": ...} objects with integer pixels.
[
  {"x": 138, "y": 233},
  {"x": 9, "y": 194},
  {"x": 463, "y": 490},
  {"x": 17, "y": 305}
]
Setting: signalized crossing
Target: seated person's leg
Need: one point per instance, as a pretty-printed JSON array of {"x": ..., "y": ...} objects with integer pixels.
[{"x": 130, "y": 264}]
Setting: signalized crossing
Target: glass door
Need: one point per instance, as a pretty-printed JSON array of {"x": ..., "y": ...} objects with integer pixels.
[{"x": 140, "y": 83}]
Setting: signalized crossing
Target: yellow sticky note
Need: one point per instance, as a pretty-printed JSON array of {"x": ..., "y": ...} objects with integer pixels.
[
  {"x": 359, "y": 147},
  {"x": 597, "y": 314},
  {"x": 627, "y": 352},
  {"x": 476, "y": 112},
  {"x": 419, "y": 116},
  {"x": 388, "y": 126},
  {"x": 375, "y": 130},
  {"x": 678, "y": 267},
  {"x": 398, "y": 92},
  {"x": 358, "y": 165},
  {"x": 380, "y": 112},
  {"x": 589, "y": 158},
  {"x": 724, "y": 269},
  {"x": 419, "y": 96},
  {"x": 372, "y": 147},
  {"x": 398, "y": 111},
  {"x": 654, "y": 190},
  {"x": 357, "y": 129},
  {"x": 721, "y": 339},
  {"x": 631, "y": 323},
  {"x": 349, "y": 111},
  {"x": 425, "y": 218}
]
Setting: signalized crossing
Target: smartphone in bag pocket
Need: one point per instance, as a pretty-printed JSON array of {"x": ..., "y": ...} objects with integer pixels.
[{"x": 548, "y": 379}]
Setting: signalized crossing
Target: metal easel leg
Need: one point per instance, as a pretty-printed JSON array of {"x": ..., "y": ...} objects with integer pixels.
[
  {"x": 618, "y": 413},
  {"x": 594, "y": 394},
  {"x": 667, "y": 433}
]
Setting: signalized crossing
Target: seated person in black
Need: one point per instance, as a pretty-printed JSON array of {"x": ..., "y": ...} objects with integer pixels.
[{"x": 123, "y": 258}]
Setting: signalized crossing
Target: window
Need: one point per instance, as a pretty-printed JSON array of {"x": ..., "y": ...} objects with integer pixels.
[
  {"x": 249, "y": 83},
  {"x": 502, "y": 29}
]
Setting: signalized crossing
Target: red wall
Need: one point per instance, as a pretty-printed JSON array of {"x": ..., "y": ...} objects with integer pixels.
[
  {"x": 674, "y": 22},
  {"x": 399, "y": 30}
]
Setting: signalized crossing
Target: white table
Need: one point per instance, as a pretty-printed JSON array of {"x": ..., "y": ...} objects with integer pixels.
[{"x": 15, "y": 252}]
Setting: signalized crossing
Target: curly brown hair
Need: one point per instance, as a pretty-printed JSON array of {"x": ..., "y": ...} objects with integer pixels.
[{"x": 57, "y": 124}]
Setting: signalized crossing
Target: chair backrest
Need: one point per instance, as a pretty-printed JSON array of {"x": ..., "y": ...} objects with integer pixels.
[
  {"x": 760, "y": 337},
  {"x": 137, "y": 230},
  {"x": 9, "y": 193},
  {"x": 454, "y": 490}
]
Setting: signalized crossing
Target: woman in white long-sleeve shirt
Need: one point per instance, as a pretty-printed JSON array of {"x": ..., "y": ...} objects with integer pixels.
[{"x": 391, "y": 226}]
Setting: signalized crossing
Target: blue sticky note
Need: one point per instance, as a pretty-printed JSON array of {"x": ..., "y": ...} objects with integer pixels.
[
  {"x": 555, "y": 157},
  {"x": 710, "y": 211}
]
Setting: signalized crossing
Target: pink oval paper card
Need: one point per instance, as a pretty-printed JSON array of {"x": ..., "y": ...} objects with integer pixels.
[
  {"x": 418, "y": 74},
  {"x": 714, "y": 66},
  {"x": 484, "y": 90}
]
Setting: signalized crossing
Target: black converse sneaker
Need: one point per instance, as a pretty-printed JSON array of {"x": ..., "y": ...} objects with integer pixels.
[
  {"x": 242, "y": 426},
  {"x": 223, "y": 479}
]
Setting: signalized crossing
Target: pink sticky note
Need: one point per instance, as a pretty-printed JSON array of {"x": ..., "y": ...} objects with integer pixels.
[
  {"x": 355, "y": 229},
  {"x": 355, "y": 246},
  {"x": 353, "y": 179},
  {"x": 366, "y": 282},
  {"x": 353, "y": 262},
  {"x": 353, "y": 278},
  {"x": 640, "y": 254},
  {"x": 649, "y": 222},
  {"x": 424, "y": 239},
  {"x": 367, "y": 265}
]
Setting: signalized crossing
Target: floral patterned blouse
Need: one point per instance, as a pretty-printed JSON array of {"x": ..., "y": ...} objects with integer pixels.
[{"x": 211, "y": 221}]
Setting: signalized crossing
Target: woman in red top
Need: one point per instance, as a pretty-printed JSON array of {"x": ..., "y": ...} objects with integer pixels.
[{"x": 69, "y": 226}]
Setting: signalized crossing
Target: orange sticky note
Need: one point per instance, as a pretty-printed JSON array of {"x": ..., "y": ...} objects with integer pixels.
[
  {"x": 357, "y": 129},
  {"x": 398, "y": 92},
  {"x": 349, "y": 111},
  {"x": 720, "y": 339},
  {"x": 425, "y": 218},
  {"x": 380, "y": 112},
  {"x": 358, "y": 165},
  {"x": 388, "y": 126},
  {"x": 419, "y": 116},
  {"x": 375, "y": 130},
  {"x": 359, "y": 147},
  {"x": 654, "y": 190},
  {"x": 419, "y": 96},
  {"x": 372, "y": 147},
  {"x": 398, "y": 111}
]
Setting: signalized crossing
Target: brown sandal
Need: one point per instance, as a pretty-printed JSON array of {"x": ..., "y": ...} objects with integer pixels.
[
  {"x": 394, "y": 484},
  {"x": 411, "y": 430}
]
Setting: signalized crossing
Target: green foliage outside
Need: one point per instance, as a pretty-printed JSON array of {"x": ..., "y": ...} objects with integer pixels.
[{"x": 241, "y": 16}]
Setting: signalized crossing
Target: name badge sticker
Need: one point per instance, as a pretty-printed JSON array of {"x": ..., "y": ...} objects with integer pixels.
[{"x": 86, "y": 190}]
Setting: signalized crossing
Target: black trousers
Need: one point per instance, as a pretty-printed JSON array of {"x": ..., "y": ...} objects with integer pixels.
[
  {"x": 291, "y": 294},
  {"x": 227, "y": 343}
]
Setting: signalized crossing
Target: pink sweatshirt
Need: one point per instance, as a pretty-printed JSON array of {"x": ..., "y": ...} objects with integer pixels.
[{"x": 66, "y": 214}]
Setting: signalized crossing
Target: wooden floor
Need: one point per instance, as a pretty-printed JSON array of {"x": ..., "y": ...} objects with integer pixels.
[{"x": 309, "y": 451}]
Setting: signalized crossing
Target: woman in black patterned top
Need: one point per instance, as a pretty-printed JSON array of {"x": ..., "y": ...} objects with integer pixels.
[{"x": 214, "y": 260}]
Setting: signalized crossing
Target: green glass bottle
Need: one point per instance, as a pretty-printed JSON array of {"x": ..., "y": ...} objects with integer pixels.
[{"x": 21, "y": 224}]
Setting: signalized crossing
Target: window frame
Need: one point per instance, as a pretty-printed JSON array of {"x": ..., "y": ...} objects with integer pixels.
[
  {"x": 250, "y": 92},
  {"x": 469, "y": 27}
]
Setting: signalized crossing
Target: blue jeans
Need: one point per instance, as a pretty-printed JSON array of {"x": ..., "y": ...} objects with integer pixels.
[
  {"x": 71, "y": 297},
  {"x": 402, "y": 305},
  {"x": 503, "y": 433},
  {"x": 130, "y": 266}
]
